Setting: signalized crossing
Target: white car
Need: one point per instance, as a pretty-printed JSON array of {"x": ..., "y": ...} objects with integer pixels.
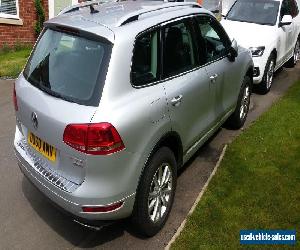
[{"x": 270, "y": 29}]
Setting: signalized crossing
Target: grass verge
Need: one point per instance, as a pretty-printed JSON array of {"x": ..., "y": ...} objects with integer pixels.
[
  {"x": 12, "y": 62},
  {"x": 257, "y": 185}
]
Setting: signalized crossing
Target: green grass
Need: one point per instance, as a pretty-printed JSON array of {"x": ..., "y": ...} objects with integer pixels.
[
  {"x": 12, "y": 62},
  {"x": 257, "y": 185}
]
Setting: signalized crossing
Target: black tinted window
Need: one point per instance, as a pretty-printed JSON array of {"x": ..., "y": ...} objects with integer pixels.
[
  {"x": 213, "y": 38},
  {"x": 294, "y": 8},
  {"x": 69, "y": 67},
  {"x": 285, "y": 8},
  {"x": 145, "y": 59},
  {"x": 179, "y": 54}
]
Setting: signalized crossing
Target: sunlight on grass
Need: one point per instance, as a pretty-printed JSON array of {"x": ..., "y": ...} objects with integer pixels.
[
  {"x": 257, "y": 185},
  {"x": 12, "y": 62}
]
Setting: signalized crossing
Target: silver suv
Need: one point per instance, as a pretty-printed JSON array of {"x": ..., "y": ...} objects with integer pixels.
[{"x": 115, "y": 98}]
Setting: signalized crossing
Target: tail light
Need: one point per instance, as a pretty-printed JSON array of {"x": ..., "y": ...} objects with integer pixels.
[
  {"x": 94, "y": 138},
  {"x": 15, "y": 98}
]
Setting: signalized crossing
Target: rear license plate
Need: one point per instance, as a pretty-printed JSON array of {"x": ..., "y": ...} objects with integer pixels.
[{"x": 43, "y": 147}]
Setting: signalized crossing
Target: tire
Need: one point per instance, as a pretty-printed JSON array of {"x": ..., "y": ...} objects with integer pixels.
[
  {"x": 239, "y": 116},
  {"x": 267, "y": 81},
  {"x": 146, "y": 222},
  {"x": 296, "y": 56}
]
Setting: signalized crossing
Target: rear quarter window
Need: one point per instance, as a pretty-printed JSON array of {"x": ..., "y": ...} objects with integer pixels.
[
  {"x": 144, "y": 69},
  {"x": 294, "y": 8}
]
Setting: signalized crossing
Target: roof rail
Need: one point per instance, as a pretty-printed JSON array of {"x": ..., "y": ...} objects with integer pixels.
[
  {"x": 81, "y": 5},
  {"x": 135, "y": 15}
]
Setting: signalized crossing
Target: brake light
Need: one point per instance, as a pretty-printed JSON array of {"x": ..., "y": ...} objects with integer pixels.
[
  {"x": 95, "y": 138},
  {"x": 15, "y": 98}
]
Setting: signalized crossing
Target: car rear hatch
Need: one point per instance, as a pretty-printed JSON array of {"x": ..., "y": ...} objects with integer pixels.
[{"x": 61, "y": 85}]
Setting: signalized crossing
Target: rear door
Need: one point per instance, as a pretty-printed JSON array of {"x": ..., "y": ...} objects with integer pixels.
[{"x": 186, "y": 82}]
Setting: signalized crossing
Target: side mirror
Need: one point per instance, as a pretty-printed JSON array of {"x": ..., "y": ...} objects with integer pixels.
[
  {"x": 286, "y": 20},
  {"x": 233, "y": 51}
]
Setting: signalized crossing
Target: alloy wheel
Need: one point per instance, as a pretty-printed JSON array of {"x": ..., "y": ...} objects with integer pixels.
[
  {"x": 160, "y": 193},
  {"x": 297, "y": 52},
  {"x": 270, "y": 75},
  {"x": 245, "y": 103}
]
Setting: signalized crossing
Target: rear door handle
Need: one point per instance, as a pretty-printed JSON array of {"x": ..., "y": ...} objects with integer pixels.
[
  {"x": 213, "y": 78},
  {"x": 176, "y": 101}
]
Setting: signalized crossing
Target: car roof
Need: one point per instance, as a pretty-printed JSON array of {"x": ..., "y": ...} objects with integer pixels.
[{"x": 110, "y": 16}]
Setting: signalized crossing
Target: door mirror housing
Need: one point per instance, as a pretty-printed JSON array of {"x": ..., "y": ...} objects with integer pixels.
[
  {"x": 286, "y": 20},
  {"x": 233, "y": 51}
]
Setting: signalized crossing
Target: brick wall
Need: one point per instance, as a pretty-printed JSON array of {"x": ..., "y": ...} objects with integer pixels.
[{"x": 12, "y": 34}]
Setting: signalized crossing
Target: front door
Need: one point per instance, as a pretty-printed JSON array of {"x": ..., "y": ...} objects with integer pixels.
[
  {"x": 221, "y": 72},
  {"x": 286, "y": 34}
]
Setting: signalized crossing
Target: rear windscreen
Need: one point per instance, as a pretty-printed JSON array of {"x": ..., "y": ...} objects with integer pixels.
[{"x": 69, "y": 66}]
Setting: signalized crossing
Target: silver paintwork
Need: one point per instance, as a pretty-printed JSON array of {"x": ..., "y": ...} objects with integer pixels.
[
  {"x": 41, "y": 166},
  {"x": 191, "y": 105}
]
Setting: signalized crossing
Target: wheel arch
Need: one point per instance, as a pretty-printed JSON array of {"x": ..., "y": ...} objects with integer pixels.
[
  {"x": 250, "y": 72},
  {"x": 274, "y": 53},
  {"x": 173, "y": 141}
]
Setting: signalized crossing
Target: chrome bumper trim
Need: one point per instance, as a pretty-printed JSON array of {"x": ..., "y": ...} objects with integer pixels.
[{"x": 40, "y": 166}]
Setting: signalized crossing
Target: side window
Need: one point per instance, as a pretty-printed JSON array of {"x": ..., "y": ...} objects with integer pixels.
[
  {"x": 214, "y": 40},
  {"x": 179, "y": 50},
  {"x": 294, "y": 8},
  {"x": 285, "y": 9},
  {"x": 144, "y": 69}
]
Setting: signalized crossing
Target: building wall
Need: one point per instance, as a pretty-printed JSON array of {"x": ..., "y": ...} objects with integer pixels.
[{"x": 10, "y": 34}]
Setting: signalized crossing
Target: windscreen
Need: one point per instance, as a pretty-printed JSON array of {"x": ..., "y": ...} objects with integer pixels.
[
  {"x": 69, "y": 67},
  {"x": 254, "y": 11}
]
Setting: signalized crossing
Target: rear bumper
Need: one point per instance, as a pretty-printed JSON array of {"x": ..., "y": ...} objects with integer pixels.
[
  {"x": 92, "y": 224},
  {"x": 72, "y": 202}
]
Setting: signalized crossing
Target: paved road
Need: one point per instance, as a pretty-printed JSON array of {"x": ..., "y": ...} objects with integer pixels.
[{"x": 28, "y": 221}]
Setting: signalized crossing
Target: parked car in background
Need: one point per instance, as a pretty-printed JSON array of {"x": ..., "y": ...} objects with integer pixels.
[
  {"x": 270, "y": 29},
  {"x": 215, "y": 6},
  {"x": 116, "y": 98}
]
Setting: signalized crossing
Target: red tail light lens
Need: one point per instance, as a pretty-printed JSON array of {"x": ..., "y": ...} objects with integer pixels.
[
  {"x": 15, "y": 98},
  {"x": 94, "y": 138},
  {"x": 102, "y": 209}
]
